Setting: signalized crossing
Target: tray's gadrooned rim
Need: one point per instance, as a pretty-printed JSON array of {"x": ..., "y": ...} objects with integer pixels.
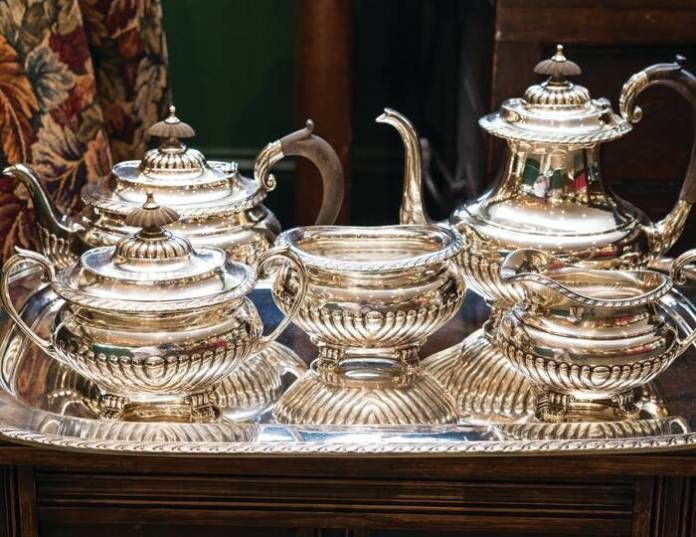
[{"x": 474, "y": 448}]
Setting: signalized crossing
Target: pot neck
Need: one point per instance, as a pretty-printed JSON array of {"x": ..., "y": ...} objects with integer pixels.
[{"x": 553, "y": 173}]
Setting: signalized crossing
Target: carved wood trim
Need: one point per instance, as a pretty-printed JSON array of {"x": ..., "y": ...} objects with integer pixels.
[
  {"x": 26, "y": 494},
  {"x": 9, "y": 502}
]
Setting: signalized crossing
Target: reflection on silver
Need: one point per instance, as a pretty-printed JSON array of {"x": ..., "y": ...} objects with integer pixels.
[
  {"x": 484, "y": 385},
  {"x": 644, "y": 428}
]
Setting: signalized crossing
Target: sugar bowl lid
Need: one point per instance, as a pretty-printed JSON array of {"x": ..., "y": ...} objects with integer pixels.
[
  {"x": 556, "y": 110},
  {"x": 178, "y": 175},
  {"x": 153, "y": 271}
]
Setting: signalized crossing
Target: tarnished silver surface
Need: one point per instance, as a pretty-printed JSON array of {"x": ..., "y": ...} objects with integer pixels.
[{"x": 218, "y": 206}]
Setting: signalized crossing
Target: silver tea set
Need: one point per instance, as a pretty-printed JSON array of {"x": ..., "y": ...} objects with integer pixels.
[{"x": 155, "y": 276}]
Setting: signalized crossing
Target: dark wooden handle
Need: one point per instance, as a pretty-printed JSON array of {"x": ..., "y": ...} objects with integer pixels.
[
  {"x": 676, "y": 77},
  {"x": 314, "y": 148}
]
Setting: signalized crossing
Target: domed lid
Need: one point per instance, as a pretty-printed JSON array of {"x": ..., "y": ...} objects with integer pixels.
[
  {"x": 153, "y": 271},
  {"x": 556, "y": 110},
  {"x": 179, "y": 176}
]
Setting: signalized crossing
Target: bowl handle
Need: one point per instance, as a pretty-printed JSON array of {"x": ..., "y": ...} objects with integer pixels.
[
  {"x": 677, "y": 270},
  {"x": 283, "y": 252},
  {"x": 22, "y": 256}
]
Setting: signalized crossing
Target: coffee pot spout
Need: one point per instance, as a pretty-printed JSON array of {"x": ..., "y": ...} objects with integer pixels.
[{"x": 412, "y": 208}]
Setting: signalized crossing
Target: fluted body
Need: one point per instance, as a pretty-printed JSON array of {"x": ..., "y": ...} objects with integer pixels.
[
  {"x": 178, "y": 355},
  {"x": 373, "y": 297},
  {"x": 587, "y": 335},
  {"x": 389, "y": 306}
]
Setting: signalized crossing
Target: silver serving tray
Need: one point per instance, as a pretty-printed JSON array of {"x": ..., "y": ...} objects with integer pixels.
[{"x": 44, "y": 403}]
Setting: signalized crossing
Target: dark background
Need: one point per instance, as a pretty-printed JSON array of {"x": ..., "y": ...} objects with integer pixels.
[{"x": 239, "y": 74}]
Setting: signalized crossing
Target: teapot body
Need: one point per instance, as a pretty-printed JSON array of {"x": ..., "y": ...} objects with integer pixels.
[
  {"x": 244, "y": 233},
  {"x": 218, "y": 207}
]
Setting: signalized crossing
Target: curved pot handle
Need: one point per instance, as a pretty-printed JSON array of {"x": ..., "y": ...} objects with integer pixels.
[
  {"x": 677, "y": 270},
  {"x": 527, "y": 267},
  {"x": 303, "y": 143},
  {"x": 283, "y": 252},
  {"x": 678, "y": 274},
  {"x": 22, "y": 256},
  {"x": 673, "y": 75}
]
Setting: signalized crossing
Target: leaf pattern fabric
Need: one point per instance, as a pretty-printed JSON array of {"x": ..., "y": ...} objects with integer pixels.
[
  {"x": 80, "y": 82},
  {"x": 130, "y": 59}
]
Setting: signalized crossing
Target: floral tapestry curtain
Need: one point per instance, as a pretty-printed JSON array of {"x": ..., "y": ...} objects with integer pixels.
[{"x": 80, "y": 82}]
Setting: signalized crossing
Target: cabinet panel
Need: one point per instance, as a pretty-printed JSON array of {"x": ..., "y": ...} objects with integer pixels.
[{"x": 499, "y": 507}]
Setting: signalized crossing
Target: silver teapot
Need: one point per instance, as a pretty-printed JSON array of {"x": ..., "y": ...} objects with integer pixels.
[{"x": 217, "y": 206}]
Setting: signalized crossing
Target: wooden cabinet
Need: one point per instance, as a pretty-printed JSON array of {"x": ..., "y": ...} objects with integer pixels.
[{"x": 77, "y": 494}]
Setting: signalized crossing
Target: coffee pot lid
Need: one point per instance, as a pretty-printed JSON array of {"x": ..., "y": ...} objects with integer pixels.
[
  {"x": 556, "y": 110},
  {"x": 153, "y": 270}
]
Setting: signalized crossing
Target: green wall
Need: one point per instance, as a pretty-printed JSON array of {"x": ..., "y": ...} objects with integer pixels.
[{"x": 232, "y": 74}]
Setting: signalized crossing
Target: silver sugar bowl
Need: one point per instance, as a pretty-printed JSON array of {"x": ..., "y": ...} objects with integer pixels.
[{"x": 152, "y": 321}]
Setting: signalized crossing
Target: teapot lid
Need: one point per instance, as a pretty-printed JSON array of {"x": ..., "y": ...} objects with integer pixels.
[
  {"x": 557, "y": 110},
  {"x": 180, "y": 177},
  {"x": 153, "y": 271}
]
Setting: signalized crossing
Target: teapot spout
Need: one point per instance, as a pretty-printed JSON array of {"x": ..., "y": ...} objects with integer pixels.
[
  {"x": 412, "y": 208},
  {"x": 54, "y": 226}
]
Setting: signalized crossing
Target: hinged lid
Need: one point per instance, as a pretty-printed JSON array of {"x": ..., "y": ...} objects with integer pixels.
[
  {"x": 556, "y": 110},
  {"x": 179, "y": 176},
  {"x": 153, "y": 271}
]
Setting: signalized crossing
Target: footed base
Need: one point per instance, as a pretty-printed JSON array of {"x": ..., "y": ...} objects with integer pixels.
[
  {"x": 366, "y": 391},
  {"x": 194, "y": 408},
  {"x": 556, "y": 407}
]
